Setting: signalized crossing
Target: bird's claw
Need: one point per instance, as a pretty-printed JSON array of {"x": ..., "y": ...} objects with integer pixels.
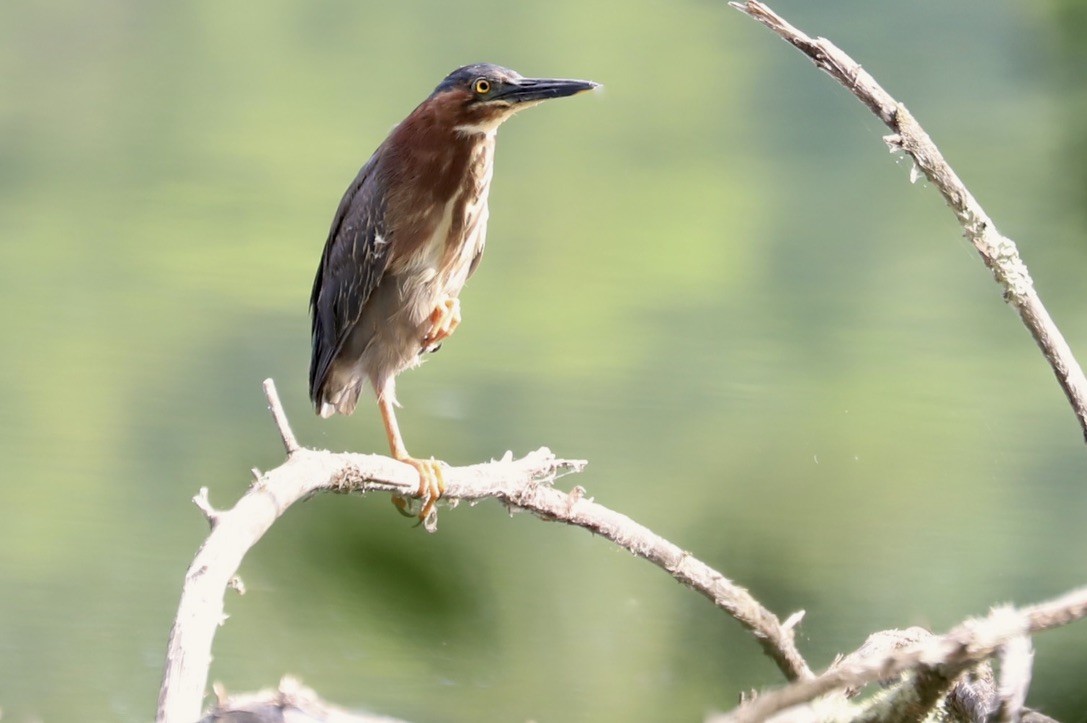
[
  {"x": 444, "y": 320},
  {"x": 431, "y": 488}
]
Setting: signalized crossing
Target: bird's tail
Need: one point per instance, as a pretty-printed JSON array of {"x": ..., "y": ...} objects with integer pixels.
[{"x": 343, "y": 399}]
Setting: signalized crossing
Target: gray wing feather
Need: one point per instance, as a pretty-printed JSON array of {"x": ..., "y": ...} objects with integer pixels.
[{"x": 351, "y": 267}]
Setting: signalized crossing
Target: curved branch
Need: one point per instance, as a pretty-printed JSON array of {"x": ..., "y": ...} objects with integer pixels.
[
  {"x": 997, "y": 251},
  {"x": 523, "y": 483},
  {"x": 573, "y": 508}
]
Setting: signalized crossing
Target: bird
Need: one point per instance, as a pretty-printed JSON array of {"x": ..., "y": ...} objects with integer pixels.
[{"x": 406, "y": 236}]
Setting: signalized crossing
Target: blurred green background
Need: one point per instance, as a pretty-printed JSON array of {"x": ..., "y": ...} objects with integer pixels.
[{"x": 711, "y": 280}]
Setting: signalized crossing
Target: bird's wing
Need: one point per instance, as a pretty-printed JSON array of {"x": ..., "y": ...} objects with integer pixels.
[
  {"x": 351, "y": 266},
  {"x": 476, "y": 259}
]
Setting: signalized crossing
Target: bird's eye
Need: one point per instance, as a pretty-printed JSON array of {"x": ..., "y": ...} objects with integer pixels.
[{"x": 482, "y": 86}]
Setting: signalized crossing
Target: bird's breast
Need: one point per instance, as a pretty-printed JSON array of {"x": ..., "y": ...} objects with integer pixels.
[{"x": 452, "y": 240}]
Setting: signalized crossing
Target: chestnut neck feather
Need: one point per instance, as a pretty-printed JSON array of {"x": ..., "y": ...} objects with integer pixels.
[{"x": 427, "y": 164}]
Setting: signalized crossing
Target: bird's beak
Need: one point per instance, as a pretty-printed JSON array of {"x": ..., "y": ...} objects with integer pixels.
[{"x": 527, "y": 90}]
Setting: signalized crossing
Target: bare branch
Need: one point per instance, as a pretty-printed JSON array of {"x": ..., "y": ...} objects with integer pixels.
[
  {"x": 202, "y": 501},
  {"x": 974, "y": 696},
  {"x": 291, "y": 701},
  {"x": 290, "y": 443},
  {"x": 305, "y": 473},
  {"x": 997, "y": 251},
  {"x": 920, "y": 693},
  {"x": 944, "y": 656},
  {"x": 574, "y": 509},
  {"x": 1016, "y": 661},
  {"x": 523, "y": 484}
]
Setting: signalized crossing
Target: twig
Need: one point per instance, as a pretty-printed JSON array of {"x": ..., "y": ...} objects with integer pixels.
[
  {"x": 290, "y": 443},
  {"x": 200, "y": 499},
  {"x": 523, "y": 483},
  {"x": 1016, "y": 660},
  {"x": 997, "y": 251},
  {"x": 946, "y": 655}
]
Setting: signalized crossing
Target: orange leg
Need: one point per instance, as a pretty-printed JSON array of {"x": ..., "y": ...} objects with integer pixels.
[
  {"x": 444, "y": 320},
  {"x": 431, "y": 481}
]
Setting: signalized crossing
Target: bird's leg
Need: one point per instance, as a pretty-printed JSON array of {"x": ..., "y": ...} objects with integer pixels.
[
  {"x": 431, "y": 480},
  {"x": 443, "y": 321}
]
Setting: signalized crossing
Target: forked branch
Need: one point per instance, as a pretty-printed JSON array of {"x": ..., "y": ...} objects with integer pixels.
[{"x": 945, "y": 656}]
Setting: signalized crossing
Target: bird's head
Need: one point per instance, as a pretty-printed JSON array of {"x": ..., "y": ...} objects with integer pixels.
[{"x": 479, "y": 98}]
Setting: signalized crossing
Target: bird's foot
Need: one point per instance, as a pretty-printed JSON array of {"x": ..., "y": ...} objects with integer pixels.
[
  {"x": 444, "y": 320},
  {"x": 431, "y": 488}
]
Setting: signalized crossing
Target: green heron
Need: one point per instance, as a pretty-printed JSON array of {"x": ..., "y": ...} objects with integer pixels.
[{"x": 406, "y": 236}]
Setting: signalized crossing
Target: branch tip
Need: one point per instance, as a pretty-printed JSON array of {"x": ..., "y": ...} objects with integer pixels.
[
  {"x": 203, "y": 503},
  {"x": 793, "y": 620},
  {"x": 290, "y": 443}
]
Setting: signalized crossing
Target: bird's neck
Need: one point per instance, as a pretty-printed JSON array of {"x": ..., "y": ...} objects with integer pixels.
[
  {"x": 440, "y": 183},
  {"x": 430, "y": 148}
]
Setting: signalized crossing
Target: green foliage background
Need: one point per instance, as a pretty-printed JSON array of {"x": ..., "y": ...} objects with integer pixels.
[{"x": 710, "y": 280}]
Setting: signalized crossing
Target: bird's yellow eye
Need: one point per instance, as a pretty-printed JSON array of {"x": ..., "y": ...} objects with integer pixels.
[{"x": 482, "y": 86}]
